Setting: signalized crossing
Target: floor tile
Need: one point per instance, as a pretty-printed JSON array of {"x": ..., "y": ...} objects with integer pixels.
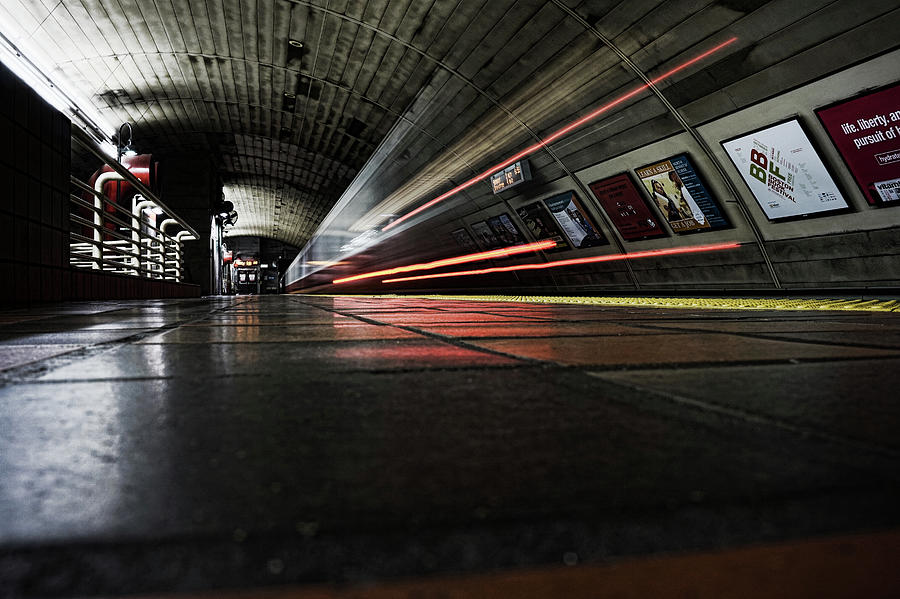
[
  {"x": 855, "y": 399},
  {"x": 669, "y": 349}
]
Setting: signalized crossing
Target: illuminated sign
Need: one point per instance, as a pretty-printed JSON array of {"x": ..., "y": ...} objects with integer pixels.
[
  {"x": 784, "y": 172},
  {"x": 866, "y": 131},
  {"x": 515, "y": 174}
]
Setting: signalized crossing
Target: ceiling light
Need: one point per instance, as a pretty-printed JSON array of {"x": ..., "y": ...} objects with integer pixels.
[{"x": 295, "y": 43}]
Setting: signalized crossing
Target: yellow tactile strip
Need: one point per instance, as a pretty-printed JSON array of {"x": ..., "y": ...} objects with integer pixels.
[{"x": 703, "y": 303}]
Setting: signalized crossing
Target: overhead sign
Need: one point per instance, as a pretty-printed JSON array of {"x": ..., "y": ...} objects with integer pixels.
[
  {"x": 573, "y": 219},
  {"x": 681, "y": 196},
  {"x": 626, "y": 208},
  {"x": 866, "y": 132},
  {"x": 784, "y": 172},
  {"x": 515, "y": 174}
]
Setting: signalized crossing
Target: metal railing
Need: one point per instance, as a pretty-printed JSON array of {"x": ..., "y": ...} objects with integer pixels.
[{"x": 107, "y": 236}]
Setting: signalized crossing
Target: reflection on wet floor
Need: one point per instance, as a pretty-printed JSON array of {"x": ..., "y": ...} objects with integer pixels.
[{"x": 156, "y": 445}]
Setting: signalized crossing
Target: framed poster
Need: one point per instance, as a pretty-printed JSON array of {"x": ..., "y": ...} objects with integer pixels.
[
  {"x": 681, "y": 195},
  {"x": 463, "y": 239},
  {"x": 505, "y": 230},
  {"x": 626, "y": 208},
  {"x": 784, "y": 172},
  {"x": 866, "y": 132},
  {"x": 538, "y": 221},
  {"x": 484, "y": 234},
  {"x": 573, "y": 220}
]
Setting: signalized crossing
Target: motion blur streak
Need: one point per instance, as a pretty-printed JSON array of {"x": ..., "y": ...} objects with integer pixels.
[
  {"x": 501, "y": 253},
  {"x": 609, "y": 258},
  {"x": 554, "y": 136}
]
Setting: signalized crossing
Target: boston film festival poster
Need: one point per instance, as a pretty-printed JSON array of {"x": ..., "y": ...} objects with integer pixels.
[
  {"x": 681, "y": 196},
  {"x": 783, "y": 171},
  {"x": 626, "y": 208},
  {"x": 573, "y": 220},
  {"x": 866, "y": 132}
]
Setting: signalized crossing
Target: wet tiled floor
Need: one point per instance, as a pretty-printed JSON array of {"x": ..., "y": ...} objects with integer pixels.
[{"x": 253, "y": 441}]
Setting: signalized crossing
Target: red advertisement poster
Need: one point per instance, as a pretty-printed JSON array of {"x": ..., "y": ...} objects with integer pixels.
[
  {"x": 866, "y": 131},
  {"x": 626, "y": 208}
]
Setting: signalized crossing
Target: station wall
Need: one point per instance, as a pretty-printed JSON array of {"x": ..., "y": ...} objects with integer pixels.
[
  {"x": 856, "y": 248},
  {"x": 35, "y": 142}
]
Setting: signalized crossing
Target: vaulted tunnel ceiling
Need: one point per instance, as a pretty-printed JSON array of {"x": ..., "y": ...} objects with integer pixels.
[{"x": 442, "y": 87}]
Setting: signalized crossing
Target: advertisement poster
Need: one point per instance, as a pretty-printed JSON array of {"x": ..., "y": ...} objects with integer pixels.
[
  {"x": 784, "y": 172},
  {"x": 542, "y": 226},
  {"x": 626, "y": 208},
  {"x": 573, "y": 219},
  {"x": 866, "y": 132},
  {"x": 505, "y": 230},
  {"x": 681, "y": 196},
  {"x": 484, "y": 234},
  {"x": 463, "y": 239}
]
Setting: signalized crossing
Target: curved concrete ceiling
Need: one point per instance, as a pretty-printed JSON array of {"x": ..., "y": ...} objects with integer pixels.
[{"x": 425, "y": 92}]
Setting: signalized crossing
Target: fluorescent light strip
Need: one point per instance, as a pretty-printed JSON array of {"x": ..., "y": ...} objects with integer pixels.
[
  {"x": 501, "y": 253},
  {"x": 560, "y": 133},
  {"x": 53, "y": 93},
  {"x": 594, "y": 259}
]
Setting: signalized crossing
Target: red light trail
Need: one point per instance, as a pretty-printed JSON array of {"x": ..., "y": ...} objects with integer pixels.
[
  {"x": 608, "y": 258},
  {"x": 501, "y": 253},
  {"x": 560, "y": 133}
]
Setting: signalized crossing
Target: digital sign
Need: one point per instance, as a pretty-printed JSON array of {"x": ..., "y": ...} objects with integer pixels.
[
  {"x": 681, "y": 196},
  {"x": 515, "y": 174},
  {"x": 573, "y": 219},
  {"x": 784, "y": 172},
  {"x": 866, "y": 132},
  {"x": 626, "y": 208}
]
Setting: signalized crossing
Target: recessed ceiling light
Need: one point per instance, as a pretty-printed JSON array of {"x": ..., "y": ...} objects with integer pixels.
[{"x": 295, "y": 43}]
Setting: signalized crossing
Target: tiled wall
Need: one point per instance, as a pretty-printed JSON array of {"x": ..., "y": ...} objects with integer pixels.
[
  {"x": 34, "y": 187},
  {"x": 35, "y": 144}
]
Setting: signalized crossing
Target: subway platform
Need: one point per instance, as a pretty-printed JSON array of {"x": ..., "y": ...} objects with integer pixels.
[{"x": 301, "y": 446}]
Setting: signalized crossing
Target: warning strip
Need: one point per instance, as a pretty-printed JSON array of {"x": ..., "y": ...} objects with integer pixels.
[{"x": 693, "y": 303}]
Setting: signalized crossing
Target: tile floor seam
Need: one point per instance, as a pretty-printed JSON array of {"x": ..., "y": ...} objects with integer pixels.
[
  {"x": 20, "y": 374},
  {"x": 769, "y": 336},
  {"x": 749, "y": 417},
  {"x": 635, "y": 367},
  {"x": 443, "y": 338}
]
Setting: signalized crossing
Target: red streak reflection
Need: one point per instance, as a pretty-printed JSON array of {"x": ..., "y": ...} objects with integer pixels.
[
  {"x": 501, "y": 253},
  {"x": 560, "y": 133},
  {"x": 608, "y": 258}
]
